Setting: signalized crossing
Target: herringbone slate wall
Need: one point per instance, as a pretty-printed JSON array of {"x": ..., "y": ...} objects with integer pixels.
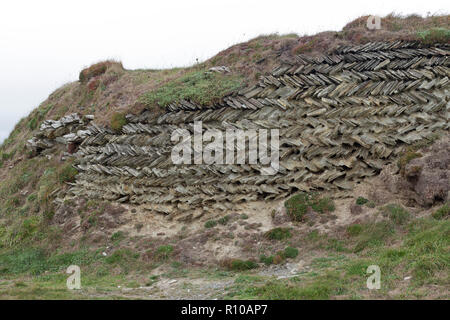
[{"x": 341, "y": 118}]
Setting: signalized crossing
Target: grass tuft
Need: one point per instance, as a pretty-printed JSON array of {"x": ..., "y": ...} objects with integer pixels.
[
  {"x": 396, "y": 213},
  {"x": 118, "y": 120}
]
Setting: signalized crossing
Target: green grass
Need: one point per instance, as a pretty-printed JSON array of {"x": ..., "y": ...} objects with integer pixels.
[
  {"x": 117, "y": 237},
  {"x": 361, "y": 201},
  {"x": 164, "y": 252},
  {"x": 434, "y": 35},
  {"x": 124, "y": 258},
  {"x": 224, "y": 220},
  {"x": 423, "y": 251},
  {"x": 200, "y": 87},
  {"x": 442, "y": 213},
  {"x": 396, "y": 213},
  {"x": 210, "y": 224},
  {"x": 290, "y": 252},
  {"x": 373, "y": 235},
  {"x": 322, "y": 288},
  {"x": 420, "y": 250},
  {"x": 242, "y": 265},
  {"x": 67, "y": 173},
  {"x": 280, "y": 256},
  {"x": 297, "y": 206},
  {"x": 267, "y": 260},
  {"x": 278, "y": 234},
  {"x": 36, "y": 261},
  {"x": 53, "y": 286},
  {"x": 354, "y": 230}
]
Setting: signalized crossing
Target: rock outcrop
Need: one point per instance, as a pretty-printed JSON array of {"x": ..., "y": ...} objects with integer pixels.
[
  {"x": 341, "y": 117},
  {"x": 68, "y": 130}
]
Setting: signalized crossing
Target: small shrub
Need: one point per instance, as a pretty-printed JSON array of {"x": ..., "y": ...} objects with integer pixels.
[
  {"x": 243, "y": 265},
  {"x": 238, "y": 264},
  {"x": 164, "y": 252},
  {"x": 371, "y": 204},
  {"x": 278, "y": 258},
  {"x": 298, "y": 205},
  {"x": 224, "y": 220},
  {"x": 67, "y": 173},
  {"x": 243, "y": 216},
  {"x": 323, "y": 205},
  {"x": 442, "y": 213},
  {"x": 278, "y": 234},
  {"x": 210, "y": 224},
  {"x": 266, "y": 260},
  {"x": 290, "y": 252},
  {"x": 361, "y": 201},
  {"x": 48, "y": 215},
  {"x": 118, "y": 120}
]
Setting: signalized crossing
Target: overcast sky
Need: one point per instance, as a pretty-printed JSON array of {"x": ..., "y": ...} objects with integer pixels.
[{"x": 45, "y": 43}]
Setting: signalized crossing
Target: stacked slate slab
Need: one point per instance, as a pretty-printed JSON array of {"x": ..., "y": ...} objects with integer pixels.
[
  {"x": 69, "y": 129},
  {"x": 341, "y": 117}
]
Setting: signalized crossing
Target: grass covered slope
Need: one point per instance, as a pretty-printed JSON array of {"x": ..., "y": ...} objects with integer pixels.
[{"x": 34, "y": 252}]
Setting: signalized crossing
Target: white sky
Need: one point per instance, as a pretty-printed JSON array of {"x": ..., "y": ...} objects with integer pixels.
[{"x": 45, "y": 43}]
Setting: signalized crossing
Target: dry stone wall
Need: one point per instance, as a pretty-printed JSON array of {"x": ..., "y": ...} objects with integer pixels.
[
  {"x": 70, "y": 131},
  {"x": 341, "y": 117}
]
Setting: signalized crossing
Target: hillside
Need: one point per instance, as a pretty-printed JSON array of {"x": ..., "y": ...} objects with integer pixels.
[{"x": 363, "y": 178}]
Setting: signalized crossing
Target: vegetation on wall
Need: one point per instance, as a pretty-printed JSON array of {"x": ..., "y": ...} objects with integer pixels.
[{"x": 201, "y": 87}]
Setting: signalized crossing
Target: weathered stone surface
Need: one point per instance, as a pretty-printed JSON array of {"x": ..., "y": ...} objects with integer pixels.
[
  {"x": 341, "y": 117},
  {"x": 68, "y": 130}
]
